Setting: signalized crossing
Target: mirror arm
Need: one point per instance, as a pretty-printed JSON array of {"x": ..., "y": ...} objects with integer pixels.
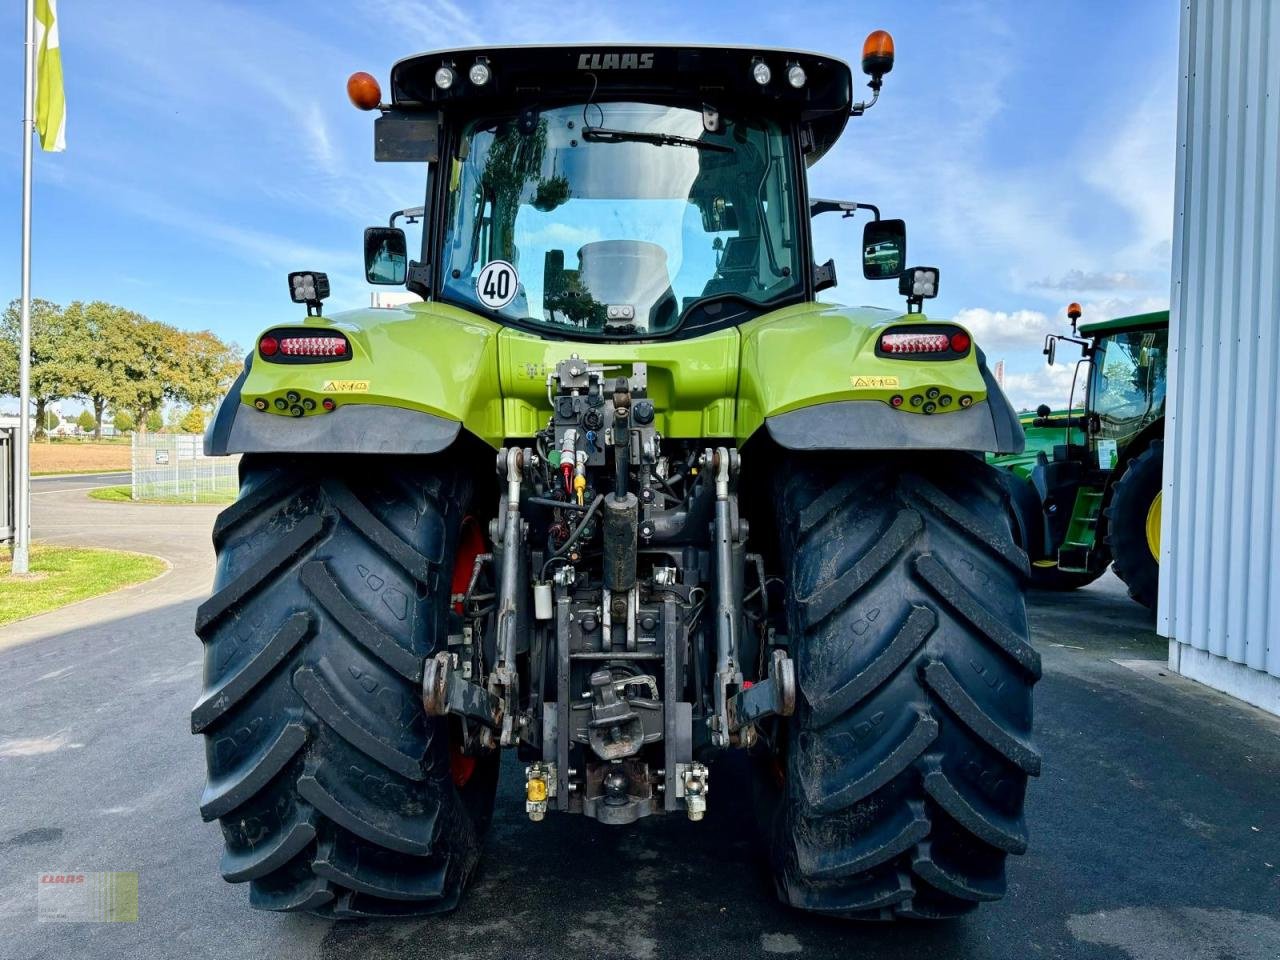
[
  {"x": 410, "y": 214},
  {"x": 846, "y": 208}
]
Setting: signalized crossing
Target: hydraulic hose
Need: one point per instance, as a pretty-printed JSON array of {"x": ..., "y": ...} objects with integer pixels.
[{"x": 574, "y": 534}]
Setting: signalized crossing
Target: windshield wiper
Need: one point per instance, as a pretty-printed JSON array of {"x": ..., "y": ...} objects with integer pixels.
[{"x": 608, "y": 135}]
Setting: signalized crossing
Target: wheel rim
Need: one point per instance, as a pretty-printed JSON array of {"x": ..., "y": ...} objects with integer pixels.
[{"x": 1153, "y": 526}]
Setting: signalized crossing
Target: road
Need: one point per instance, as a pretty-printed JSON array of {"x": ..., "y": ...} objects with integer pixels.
[
  {"x": 60, "y": 483},
  {"x": 1155, "y": 827}
]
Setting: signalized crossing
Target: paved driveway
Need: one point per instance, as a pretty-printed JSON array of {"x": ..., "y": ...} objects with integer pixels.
[
  {"x": 1155, "y": 828},
  {"x": 57, "y": 483}
]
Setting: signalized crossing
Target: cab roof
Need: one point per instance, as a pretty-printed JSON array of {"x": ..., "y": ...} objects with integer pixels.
[
  {"x": 1159, "y": 318},
  {"x": 719, "y": 77}
]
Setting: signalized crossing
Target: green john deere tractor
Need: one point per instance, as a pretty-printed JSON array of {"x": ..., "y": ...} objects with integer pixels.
[
  {"x": 619, "y": 495},
  {"x": 1086, "y": 489}
]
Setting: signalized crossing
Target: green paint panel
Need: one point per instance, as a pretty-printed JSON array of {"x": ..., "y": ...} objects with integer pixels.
[
  {"x": 454, "y": 364},
  {"x": 1082, "y": 532},
  {"x": 692, "y": 382},
  {"x": 819, "y": 353},
  {"x": 1160, "y": 318},
  {"x": 1038, "y": 440},
  {"x": 429, "y": 357}
]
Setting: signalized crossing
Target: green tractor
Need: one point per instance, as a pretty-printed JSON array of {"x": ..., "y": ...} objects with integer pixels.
[
  {"x": 621, "y": 496},
  {"x": 1086, "y": 488}
]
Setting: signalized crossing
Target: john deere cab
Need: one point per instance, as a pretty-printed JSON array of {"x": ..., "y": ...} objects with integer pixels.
[
  {"x": 1087, "y": 487},
  {"x": 620, "y": 496}
]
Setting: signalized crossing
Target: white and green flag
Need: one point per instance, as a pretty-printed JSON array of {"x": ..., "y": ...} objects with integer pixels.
[{"x": 51, "y": 106}]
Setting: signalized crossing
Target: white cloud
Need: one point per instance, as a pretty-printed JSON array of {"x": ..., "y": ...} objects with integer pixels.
[
  {"x": 1025, "y": 329},
  {"x": 1000, "y": 329},
  {"x": 1080, "y": 281},
  {"x": 1108, "y": 308},
  {"x": 1051, "y": 385}
]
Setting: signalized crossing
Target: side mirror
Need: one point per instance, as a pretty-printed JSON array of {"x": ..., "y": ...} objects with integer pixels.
[
  {"x": 386, "y": 255},
  {"x": 1051, "y": 348},
  {"x": 884, "y": 249}
]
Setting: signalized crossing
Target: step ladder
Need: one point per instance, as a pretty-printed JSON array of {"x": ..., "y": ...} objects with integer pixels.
[{"x": 1082, "y": 532}]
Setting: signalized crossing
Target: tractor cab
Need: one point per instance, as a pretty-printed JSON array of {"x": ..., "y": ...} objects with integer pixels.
[
  {"x": 619, "y": 192},
  {"x": 1126, "y": 392}
]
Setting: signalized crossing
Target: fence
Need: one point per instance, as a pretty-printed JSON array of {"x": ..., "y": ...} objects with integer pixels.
[
  {"x": 8, "y": 438},
  {"x": 172, "y": 466}
]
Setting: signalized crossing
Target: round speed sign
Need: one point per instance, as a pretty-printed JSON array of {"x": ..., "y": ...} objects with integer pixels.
[{"x": 497, "y": 283}]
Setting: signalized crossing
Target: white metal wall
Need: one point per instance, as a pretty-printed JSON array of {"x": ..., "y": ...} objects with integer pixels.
[{"x": 1220, "y": 564}]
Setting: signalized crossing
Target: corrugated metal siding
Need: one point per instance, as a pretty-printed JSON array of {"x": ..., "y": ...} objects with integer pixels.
[{"x": 1220, "y": 569}]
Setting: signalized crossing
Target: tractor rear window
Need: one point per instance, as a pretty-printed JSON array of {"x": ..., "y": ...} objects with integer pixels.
[
  {"x": 621, "y": 220},
  {"x": 1129, "y": 381}
]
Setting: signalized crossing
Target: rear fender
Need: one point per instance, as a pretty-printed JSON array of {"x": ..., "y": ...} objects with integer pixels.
[
  {"x": 418, "y": 376},
  {"x": 811, "y": 378}
]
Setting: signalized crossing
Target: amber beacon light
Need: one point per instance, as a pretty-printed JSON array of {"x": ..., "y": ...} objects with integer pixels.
[
  {"x": 877, "y": 55},
  {"x": 364, "y": 91}
]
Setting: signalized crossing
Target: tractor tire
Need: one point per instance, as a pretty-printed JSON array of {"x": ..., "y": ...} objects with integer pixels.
[
  {"x": 1135, "y": 557},
  {"x": 1053, "y": 578},
  {"x": 1061, "y": 580},
  {"x": 335, "y": 792},
  {"x": 901, "y": 790}
]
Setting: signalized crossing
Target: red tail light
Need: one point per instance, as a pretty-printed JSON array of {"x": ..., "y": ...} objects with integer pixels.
[
  {"x": 303, "y": 346},
  {"x": 915, "y": 343},
  {"x": 313, "y": 346},
  {"x": 925, "y": 341}
]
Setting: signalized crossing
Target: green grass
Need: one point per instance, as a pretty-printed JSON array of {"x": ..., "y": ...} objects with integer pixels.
[
  {"x": 124, "y": 494},
  {"x": 62, "y": 575}
]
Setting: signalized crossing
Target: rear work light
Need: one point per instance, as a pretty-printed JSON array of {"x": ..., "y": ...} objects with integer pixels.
[
  {"x": 932, "y": 341},
  {"x": 303, "y": 346}
]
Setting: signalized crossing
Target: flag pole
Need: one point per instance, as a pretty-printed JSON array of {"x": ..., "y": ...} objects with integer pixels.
[{"x": 22, "y": 491}]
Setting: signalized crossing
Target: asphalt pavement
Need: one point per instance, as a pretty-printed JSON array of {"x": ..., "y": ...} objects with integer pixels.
[
  {"x": 62, "y": 482},
  {"x": 1155, "y": 829}
]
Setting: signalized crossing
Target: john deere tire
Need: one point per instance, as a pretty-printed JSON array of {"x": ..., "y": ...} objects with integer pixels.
[
  {"x": 907, "y": 758},
  {"x": 333, "y": 789},
  {"x": 1054, "y": 578},
  {"x": 1134, "y": 553}
]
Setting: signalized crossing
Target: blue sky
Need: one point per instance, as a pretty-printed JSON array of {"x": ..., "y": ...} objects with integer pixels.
[{"x": 211, "y": 149}]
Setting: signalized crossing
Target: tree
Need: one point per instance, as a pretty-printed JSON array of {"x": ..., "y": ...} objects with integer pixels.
[
  {"x": 148, "y": 354},
  {"x": 48, "y": 359},
  {"x": 122, "y": 420},
  {"x": 98, "y": 355},
  {"x": 205, "y": 367},
  {"x": 47, "y": 422},
  {"x": 154, "y": 422},
  {"x": 192, "y": 421},
  {"x": 87, "y": 422}
]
